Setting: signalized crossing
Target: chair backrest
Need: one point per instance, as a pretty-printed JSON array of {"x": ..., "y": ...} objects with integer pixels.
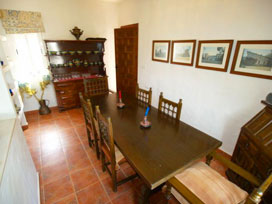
[
  {"x": 144, "y": 95},
  {"x": 105, "y": 135},
  {"x": 96, "y": 86},
  {"x": 87, "y": 110},
  {"x": 169, "y": 107}
]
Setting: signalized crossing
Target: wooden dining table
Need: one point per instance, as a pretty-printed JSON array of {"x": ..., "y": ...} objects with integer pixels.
[{"x": 159, "y": 152}]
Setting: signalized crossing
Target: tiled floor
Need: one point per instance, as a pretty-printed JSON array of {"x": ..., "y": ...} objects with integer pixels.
[{"x": 69, "y": 170}]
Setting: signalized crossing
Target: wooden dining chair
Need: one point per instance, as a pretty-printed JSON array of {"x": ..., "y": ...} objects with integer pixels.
[
  {"x": 144, "y": 96},
  {"x": 110, "y": 154},
  {"x": 201, "y": 184},
  {"x": 169, "y": 107},
  {"x": 88, "y": 116},
  {"x": 96, "y": 86}
]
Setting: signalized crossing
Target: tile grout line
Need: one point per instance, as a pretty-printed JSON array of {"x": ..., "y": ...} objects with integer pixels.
[
  {"x": 99, "y": 179},
  {"x": 68, "y": 163}
]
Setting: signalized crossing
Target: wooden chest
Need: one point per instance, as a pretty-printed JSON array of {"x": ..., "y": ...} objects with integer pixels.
[{"x": 253, "y": 150}]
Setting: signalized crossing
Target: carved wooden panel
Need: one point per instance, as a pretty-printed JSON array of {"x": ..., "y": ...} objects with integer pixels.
[
  {"x": 126, "y": 54},
  {"x": 253, "y": 151}
]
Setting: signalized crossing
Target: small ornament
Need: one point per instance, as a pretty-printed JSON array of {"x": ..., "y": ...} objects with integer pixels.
[
  {"x": 145, "y": 123},
  {"x": 76, "y": 32},
  {"x": 120, "y": 104},
  {"x": 85, "y": 63}
]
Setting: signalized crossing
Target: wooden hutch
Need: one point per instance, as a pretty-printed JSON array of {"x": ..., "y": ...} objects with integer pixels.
[
  {"x": 70, "y": 62},
  {"x": 253, "y": 150}
]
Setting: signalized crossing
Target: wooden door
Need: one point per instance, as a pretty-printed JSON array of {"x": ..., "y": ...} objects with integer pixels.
[{"x": 126, "y": 57}]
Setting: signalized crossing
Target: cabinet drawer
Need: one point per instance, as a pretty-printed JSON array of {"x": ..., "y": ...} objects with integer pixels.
[
  {"x": 65, "y": 86},
  {"x": 65, "y": 92},
  {"x": 67, "y": 101}
]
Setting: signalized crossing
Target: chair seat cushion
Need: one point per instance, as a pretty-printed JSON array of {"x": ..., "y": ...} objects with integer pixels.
[
  {"x": 118, "y": 155},
  {"x": 209, "y": 186}
]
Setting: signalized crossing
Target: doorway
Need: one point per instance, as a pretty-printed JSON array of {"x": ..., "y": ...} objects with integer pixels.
[{"x": 126, "y": 58}]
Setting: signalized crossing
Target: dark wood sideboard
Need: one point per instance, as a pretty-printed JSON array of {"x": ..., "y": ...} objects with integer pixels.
[
  {"x": 253, "y": 150},
  {"x": 70, "y": 62}
]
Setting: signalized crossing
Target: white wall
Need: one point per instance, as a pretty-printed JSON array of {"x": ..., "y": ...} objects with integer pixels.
[
  {"x": 216, "y": 103},
  {"x": 97, "y": 18}
]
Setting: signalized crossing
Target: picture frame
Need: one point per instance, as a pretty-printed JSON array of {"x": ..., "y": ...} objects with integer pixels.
[
  {"x": 183, "y": 52},
  {"x": 253, "y": 58},
  {"x": 160, "y": 50},
  {"x": 214, "y": 54}
]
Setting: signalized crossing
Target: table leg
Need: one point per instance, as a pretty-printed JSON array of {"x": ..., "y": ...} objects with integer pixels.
[{"x": 145, "y": 194}]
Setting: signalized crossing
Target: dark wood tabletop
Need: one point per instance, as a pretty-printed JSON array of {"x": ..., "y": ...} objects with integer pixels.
[{"x": 157, "y": 153}]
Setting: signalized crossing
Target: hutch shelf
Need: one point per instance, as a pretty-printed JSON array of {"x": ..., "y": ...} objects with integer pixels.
[{"x": 70, "y": 62}]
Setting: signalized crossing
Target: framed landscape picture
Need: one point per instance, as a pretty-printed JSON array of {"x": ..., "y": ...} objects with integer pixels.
[
  {"x": 160, "y": 50},
  {"x": 253, "y": 58},
  {"x": 183, "y": 52},
  {"x": 214, "y": 54}
]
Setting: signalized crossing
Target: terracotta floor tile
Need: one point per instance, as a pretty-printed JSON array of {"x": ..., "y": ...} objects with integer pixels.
[
  {"x": 30, "y": 132},
  {"x": 34, "y": 125},
  {"x": 35, "y": 152},
  {"x": 33, "y": 142},
  {"x": 69, "y": 137},
  {"x": 42, "y": 195},
  {"x": 74, "y": 151},
  {"x": 70, "y": 199},
  {"x": 98, "y": 167},
  {"x": 70, "y": 141},
  {"x": 81, "y": 131},
  {"x": 76, "y": 163},
  {"x": 128, "y": 170},
  {"x": 32, "y": 120},
  {"x": 107, "y": 183},
  {"x": 47, "y": 124},
  {"x": 173, "y": 200},
  {"x": 83, "y": 178},
  {"x": 68, "y": 132},
  {"x": 77, "y": 122},
  {"x": 31, "y": 114},
  {"x": 58, "y": 189},
  {"x": 54, "y": 172},
  {"x": 63, "y": 123},
  {"x": 53, "y": 158},
  {"x": 86, "y": 144},
  {"x": 37, "y": 163},
  {"x": 46, "y": 117},
  {"x": 129, "y": 197},
  {"x": 92, "y": 155},
  {"x": 93, "y": 194},
  {"x": 56, "y": 114}
]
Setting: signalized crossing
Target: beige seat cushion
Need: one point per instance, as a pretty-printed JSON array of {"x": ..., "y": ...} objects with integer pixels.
[
  {"x": 118, "y": 155},
  {"x": 209, "y": 186}
]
